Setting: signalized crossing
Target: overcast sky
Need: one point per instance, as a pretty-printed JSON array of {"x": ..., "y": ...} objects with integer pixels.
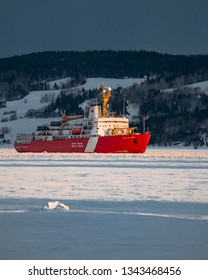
[{"x": 166, "y": 26}]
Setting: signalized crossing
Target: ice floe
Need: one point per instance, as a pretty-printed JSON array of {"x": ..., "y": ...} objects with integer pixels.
[{"x": 56, "y": 205}]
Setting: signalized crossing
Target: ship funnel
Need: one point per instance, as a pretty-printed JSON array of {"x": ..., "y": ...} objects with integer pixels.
[{"x": 95, "y": 112}]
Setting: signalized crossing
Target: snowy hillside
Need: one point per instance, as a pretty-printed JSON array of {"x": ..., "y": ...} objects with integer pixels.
[
  {"x": 12, "y": 117},
  {"x": 202, "y": 85}
]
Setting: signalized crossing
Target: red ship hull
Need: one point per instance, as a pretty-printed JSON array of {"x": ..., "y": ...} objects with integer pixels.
[{"x": 133, "y": 143}]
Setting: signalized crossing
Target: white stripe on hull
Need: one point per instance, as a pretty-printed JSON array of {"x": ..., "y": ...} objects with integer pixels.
[{"x": 91, "y": 144}]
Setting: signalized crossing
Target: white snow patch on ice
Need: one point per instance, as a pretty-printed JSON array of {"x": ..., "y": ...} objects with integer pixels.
[{"x": 55, "y": 205}]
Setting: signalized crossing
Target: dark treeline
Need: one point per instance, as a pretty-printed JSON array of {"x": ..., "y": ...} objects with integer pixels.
[
  {"x": 116, "y": 64},
  {"x": 20, "y": 74}
]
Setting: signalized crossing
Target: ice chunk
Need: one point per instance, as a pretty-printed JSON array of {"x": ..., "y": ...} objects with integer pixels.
[{"x": 55, "y": 205}]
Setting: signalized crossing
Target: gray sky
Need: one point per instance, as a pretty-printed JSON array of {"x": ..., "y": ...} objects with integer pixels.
[{"x": 167, "y": 26}]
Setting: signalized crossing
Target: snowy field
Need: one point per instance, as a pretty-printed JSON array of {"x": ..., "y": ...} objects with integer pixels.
[{"x": 91, "y": 206}]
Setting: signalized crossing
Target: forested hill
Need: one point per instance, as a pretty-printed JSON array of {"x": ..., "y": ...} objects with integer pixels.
[
  {"x": 116, "y": 64},
  {"x": 20, "y": 74}
]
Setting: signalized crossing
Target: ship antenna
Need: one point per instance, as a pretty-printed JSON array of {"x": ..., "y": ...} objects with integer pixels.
[
  {"x": 144, "y": 124},
  {"x": 124, "y": 107}
]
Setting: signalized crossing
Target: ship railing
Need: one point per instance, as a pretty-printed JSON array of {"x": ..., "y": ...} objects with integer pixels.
[
  {"x": 23, "y": 141},
  {"x": 24, "y": 138}
]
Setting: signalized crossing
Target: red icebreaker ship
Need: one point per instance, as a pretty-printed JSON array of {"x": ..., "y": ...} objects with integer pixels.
[{"x": 99, "y": 133}]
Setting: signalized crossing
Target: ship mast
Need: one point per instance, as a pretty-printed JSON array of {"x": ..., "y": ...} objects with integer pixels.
[{"x": 106, "y": 94}]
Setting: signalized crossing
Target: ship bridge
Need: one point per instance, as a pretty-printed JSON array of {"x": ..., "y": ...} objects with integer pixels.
[
  {"x": 110, "y": 126},
  {"x": 103, "y": 124}
]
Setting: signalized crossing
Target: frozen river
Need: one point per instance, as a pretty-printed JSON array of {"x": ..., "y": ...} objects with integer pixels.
[
  {"x": 159, "y": 174},
  {"x": 149, "y": 206}
]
